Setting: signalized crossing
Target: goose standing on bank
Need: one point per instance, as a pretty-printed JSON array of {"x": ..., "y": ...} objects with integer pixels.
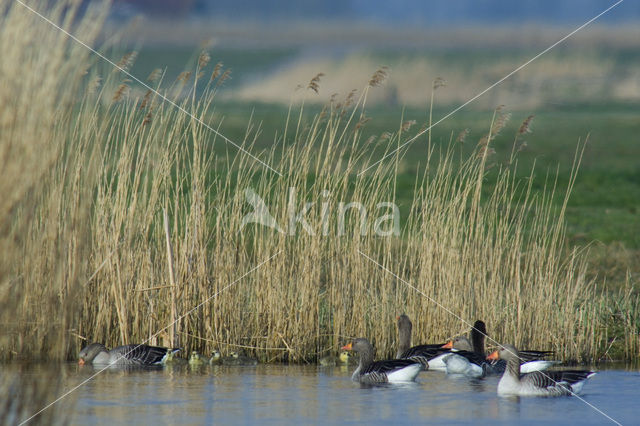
[
  {"x": 387, "y": 371},
  {"x": 428, "y": 355},
  {"x": 537, "y": 383},
  {"x": 127, "y": 355}
]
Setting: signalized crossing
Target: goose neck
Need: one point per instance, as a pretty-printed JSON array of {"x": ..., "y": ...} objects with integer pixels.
[
  {"x": 404, "y": 341},
  {"x": 477, "y": 341},
  {"x": 366, "y": 357},
  {"x": 513, "y": 368}
]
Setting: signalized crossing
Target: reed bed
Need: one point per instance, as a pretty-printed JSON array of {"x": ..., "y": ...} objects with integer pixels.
[{"x": 89, "y": 167}]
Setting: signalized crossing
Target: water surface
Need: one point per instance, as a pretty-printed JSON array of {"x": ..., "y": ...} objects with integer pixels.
[{"x": 276, "y": 394}]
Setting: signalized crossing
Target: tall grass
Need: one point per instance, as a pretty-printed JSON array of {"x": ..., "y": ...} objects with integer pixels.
[{"x": 90, "y": 164}]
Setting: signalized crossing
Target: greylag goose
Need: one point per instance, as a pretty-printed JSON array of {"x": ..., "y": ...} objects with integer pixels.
[
  {"x": 236, "y": 359},
  {"x": 427, "y": 355},
  {"x": 127, "y": 355},
  {"x": 463, "y": 360},
  {"x": 537, "y": 383},
  {"x": 196, "y": 360},
  {"x": 474, "y": 353},
  {"x": 532, "y": 360},
  {"x": 387, "y": 371},
  {"x": 344, "y": 358},
  {"x": 171, "y": 359},
  {"x": 216, "y": 358}
]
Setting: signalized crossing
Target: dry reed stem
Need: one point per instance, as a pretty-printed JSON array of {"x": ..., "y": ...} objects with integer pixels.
[{"x": 172, "y": 281}]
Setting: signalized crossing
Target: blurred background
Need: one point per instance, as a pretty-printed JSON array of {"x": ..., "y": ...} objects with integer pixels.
[
  {"x": 272, "y": 46},
  {"x": 400, "y": 11},
  {"x": 588, "y": 87}
]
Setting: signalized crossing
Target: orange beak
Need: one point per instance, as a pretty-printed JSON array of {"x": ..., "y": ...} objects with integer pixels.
[
  {"x": 81, "y": 361},
  {"x": 448, "y": 345},
  {"x": 347, "y": 347},
  {"x": 493, "y": 356}
]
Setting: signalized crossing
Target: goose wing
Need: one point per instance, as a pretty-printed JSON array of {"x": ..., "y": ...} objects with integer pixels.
[
  {"x": 534, "y": 355},
  {"x": 551, "y": 379},
  {"x": 426, "y": 351},
  {"x": 388, "y": 366},
  {"x": 423, "y": 354},
  {"x": 140, "y": 354},
  {"x": 382, "y": 371}
]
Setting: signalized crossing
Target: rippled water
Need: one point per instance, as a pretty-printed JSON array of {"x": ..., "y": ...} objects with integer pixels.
[{"x": 308, "y": 394}]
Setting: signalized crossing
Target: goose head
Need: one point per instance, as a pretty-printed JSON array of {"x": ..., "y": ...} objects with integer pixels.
[{"x": 88, "y": 353}]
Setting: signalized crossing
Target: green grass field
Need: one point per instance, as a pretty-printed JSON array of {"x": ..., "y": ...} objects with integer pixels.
[{"x": 605, "y": 204}]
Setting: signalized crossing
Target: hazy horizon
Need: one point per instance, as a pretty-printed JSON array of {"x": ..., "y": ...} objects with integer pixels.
[{"x": 417, "y": 12}]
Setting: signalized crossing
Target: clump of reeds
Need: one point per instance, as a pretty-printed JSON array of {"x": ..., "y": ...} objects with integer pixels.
[
  {"x": 44, "y": 181},
  {"x": 84, "y": 241}
]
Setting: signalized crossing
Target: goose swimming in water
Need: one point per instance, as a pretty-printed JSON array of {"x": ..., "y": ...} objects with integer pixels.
[
  {"x": 537, "y": 383},
  {"x": 532, "y": 360},
  {"x": 216, "y": 358},
  {"x": 171, "y": 359},
  {"x": 196, "y": 360},
  {"x": 387, "y": 371},
  {"x": 463, "y": 360},
  {"x": 236, "y": 359},
  {"x": 471, "y": 356},
  {"x": 344, "y": 358},
  {"x": 427, "y": 355},
  {"x": 127, "y": 355}
]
